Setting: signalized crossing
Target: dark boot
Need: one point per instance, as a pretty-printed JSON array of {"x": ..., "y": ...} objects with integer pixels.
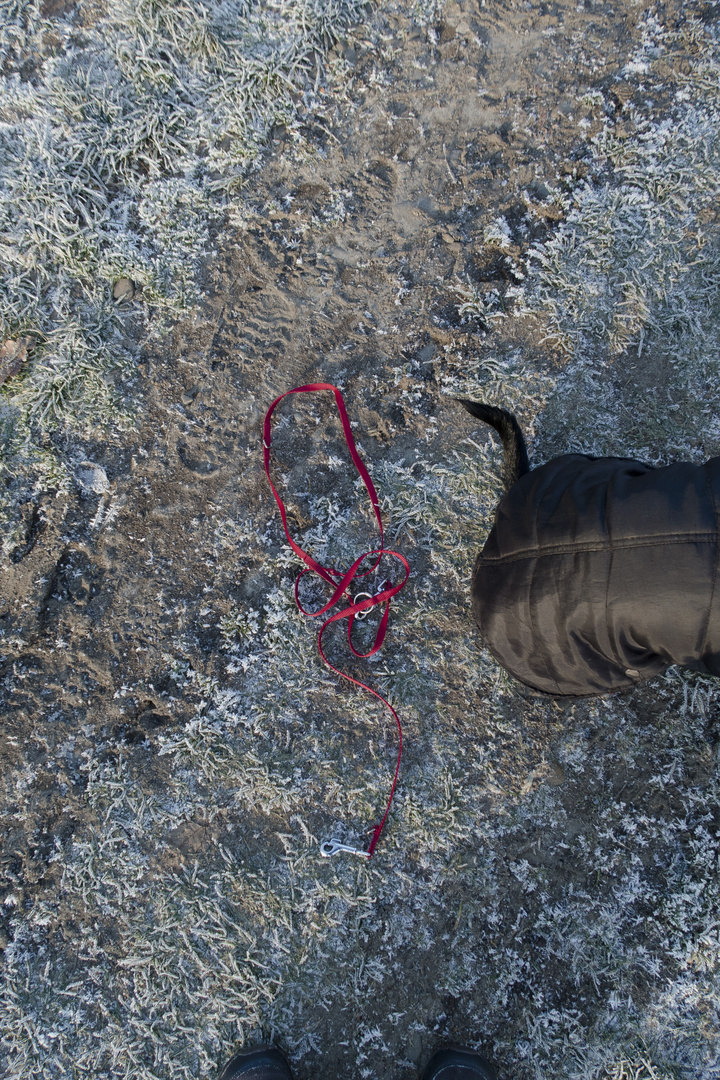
[
  {"x": 458, "y": 1063},
  {"x": 257, "y": 1063}
]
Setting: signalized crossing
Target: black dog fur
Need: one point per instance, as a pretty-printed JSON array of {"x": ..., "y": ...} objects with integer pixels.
[{"x": 598, "y": 572}]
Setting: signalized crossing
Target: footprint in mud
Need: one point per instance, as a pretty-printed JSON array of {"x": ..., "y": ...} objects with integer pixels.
[
  {"x": 75, "y": 581},
  {"x": 200, "y": 458},
  {"x": 34, "y": 522},
  {"x": 260, "y": 324},
  {"x": 141, "y": 723},
  {"x": 385, "y": 172}
]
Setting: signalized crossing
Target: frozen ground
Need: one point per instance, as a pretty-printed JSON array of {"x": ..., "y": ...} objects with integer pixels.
[{"x": 517, "y": 202}]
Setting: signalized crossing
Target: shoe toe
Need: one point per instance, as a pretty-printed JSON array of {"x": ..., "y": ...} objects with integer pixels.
[
  {"x": 458, "y": 1063},
  {"x": 257, "y": 1063}
]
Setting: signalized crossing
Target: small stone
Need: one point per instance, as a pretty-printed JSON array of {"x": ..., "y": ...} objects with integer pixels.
[
  {"x": 13, "y": 355},
  {"x": 91, "y": 479},
  {"x": 123, "y": 290},
  {"x": 632, "y": 673},
  {"x": 622, "y": 92},
  {"x": 445, "y": 32},
  {"x": 556, "y": 775}
]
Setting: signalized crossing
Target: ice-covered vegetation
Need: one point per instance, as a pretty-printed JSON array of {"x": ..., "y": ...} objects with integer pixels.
[
  {"x": 630, "y": 284},
  {"x": 574, "y": 922},
  {"x": 125, "y": 140}
]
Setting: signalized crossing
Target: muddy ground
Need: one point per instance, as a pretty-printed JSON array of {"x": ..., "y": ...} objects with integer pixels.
[{"x": 343, "y": 271}]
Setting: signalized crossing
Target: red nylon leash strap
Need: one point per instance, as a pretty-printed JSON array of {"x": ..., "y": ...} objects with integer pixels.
[{"x": 341, "y": 582}]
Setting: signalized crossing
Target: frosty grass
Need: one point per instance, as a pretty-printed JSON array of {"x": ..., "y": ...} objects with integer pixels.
[{"x": 167, "y": 972}]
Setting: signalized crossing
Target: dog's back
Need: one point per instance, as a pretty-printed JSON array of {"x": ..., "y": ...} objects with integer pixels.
[{"x": 600, "y": 572}]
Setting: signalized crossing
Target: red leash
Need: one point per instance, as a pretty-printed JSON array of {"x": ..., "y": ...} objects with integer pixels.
[{"x": 340, "y": 583}]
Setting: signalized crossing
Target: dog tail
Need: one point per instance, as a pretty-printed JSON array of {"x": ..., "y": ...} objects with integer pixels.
[{"x": 516, "y": 462}]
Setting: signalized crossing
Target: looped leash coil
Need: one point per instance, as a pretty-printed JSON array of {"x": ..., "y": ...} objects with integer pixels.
[{"x": 341, "y": 582}]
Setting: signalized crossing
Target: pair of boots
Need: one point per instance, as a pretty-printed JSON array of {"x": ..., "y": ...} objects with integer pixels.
[{"x": 267, "y": 1063}]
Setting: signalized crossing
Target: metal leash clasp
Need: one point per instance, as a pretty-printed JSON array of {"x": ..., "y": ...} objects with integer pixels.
[{"x": 331, "y": 847}]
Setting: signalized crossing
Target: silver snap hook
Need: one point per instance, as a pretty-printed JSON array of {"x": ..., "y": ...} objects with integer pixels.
[{"x": 331, "y": 847}]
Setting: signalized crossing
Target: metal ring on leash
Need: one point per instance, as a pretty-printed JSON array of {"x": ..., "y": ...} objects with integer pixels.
[{"x": 362, "y": 596}]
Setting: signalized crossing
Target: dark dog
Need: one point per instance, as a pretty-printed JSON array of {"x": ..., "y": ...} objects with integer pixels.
[{"x": 598, "y": 572}]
